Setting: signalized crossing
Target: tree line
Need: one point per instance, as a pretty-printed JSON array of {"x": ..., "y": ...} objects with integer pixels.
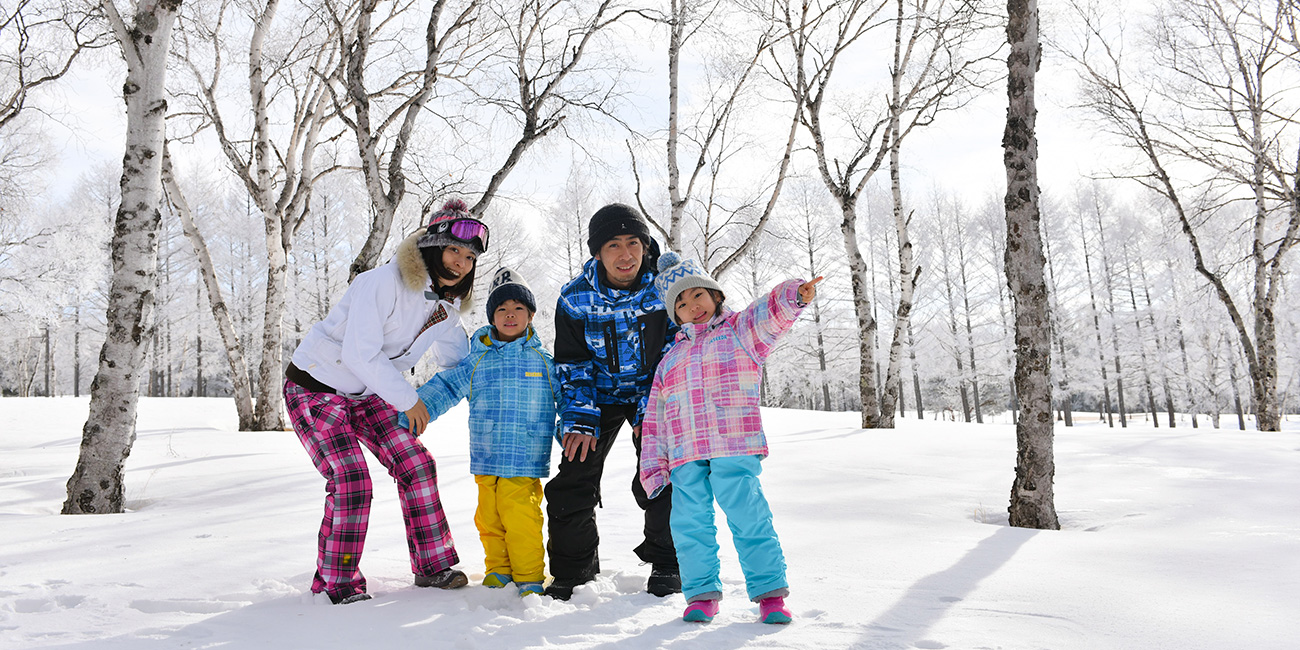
[{"x": 336, "y": 124}]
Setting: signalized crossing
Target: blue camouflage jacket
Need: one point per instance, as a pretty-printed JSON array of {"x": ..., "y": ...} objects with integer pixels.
[
  {"x": 607, "y": 344},
  {"x": 512, "y": 390}
]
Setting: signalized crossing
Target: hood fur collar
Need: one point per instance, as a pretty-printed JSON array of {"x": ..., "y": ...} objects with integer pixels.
[{"x": 411, "y": 264}]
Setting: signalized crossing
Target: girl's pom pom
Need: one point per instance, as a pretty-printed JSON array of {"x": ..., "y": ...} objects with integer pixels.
[
  {"x": 455, "y": 205},
  {"x": 668, "y": 260}
]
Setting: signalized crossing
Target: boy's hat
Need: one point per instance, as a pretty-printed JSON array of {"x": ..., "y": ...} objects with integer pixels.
[
  {"x": 613, "y": 220},
  {"x": 677, "y": 274},
  {"x": 508, "y": 285}
]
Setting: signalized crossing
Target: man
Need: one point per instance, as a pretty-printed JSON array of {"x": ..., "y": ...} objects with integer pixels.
[{"x": 611, "y": 329}]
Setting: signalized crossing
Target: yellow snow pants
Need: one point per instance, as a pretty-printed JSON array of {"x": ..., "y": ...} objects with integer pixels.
[{"x": 509, "y": 520}]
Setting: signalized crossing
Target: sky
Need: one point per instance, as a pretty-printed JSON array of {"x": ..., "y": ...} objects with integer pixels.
[
  {"x": 961, "y": 152},
  {"x": 1186, "y": 539}
]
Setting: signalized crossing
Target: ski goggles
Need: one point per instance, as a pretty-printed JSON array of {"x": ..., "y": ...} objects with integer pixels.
[{"x": 462, "y": 229}]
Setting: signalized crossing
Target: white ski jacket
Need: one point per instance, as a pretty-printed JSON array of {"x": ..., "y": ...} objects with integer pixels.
[{"x": 381, "y": 328}]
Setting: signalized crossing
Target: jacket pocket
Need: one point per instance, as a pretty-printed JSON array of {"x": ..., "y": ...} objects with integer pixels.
[
  {"x": 737, "y": 413},
  {"x": 612, "y": 355},
  {"x": 480, "y": 436}
]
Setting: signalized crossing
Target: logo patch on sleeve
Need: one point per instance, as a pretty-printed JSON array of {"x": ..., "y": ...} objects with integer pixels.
[
  {"x": 532, "y": 374},
  {"x": 438, "y": 315}
]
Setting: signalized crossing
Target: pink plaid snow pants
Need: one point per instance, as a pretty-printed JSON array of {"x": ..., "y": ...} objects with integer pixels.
[{"x": 333, "y": 429}]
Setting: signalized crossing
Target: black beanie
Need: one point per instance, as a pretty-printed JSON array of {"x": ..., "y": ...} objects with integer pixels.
[{"x": 613, "y": 220}]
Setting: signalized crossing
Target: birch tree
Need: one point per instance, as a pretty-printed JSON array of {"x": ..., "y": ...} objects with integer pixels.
[
  {"x": 1211, "y": 114},
  {"x": 1108, "y": 286},
  {"x": 702, "y": 136},
  {"x": 930, "y": 69},
  {"x": 1095, "y": 312},
  {"x": 1140, "y": 340},
  {"x": 216, "y": 301},
  {"x": 1033, "y": 503},
  {"x": 1158, "y": 337},
  {"x": 544, "y": 73},
  {"x": 97, "y": 485},
  {"x": 274, "y": 157},
  {"x": 1064, "y": 395},
  {"x": 383, "y": 119},
  {"x": 39, "y": 42},
  {"x": 935, "y": 69},
  {"x": 820, "y": 33},
  {"x": 946, "y": 253}
]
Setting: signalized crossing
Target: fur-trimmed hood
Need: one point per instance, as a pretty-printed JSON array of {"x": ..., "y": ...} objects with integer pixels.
[
  {"x": 414, "y": 274},
  {"x": 411, "y": 264}
]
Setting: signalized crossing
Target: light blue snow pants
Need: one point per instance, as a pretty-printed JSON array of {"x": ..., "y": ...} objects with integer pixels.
[{"x": 734, "y": 482}]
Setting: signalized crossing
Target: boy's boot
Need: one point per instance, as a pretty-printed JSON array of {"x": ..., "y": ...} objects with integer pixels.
[{"x": 496, "y": 580}]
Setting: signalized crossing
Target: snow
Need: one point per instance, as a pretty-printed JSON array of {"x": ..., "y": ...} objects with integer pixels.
[{"x": 1183, "y": 538}]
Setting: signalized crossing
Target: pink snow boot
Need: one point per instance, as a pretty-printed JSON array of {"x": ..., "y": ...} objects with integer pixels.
[
  {"x": 701, "y": 611},
  {"x": 773, "y": 610}
]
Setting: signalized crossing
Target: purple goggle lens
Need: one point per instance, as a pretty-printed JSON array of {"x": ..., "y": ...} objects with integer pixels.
[{"x": 465, "y": 230}]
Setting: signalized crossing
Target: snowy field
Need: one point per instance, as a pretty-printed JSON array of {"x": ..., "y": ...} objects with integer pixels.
[{"x": 1174, "y": 539}]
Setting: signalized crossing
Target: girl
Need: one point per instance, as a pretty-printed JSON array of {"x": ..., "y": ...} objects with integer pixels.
[
  {"x": 702, "y": 433},
  {"x": 344, "y": 390},
  {"x": 509, "y": 380}
]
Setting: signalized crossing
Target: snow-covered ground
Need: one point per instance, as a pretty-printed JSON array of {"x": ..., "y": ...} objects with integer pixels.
[{"x": 1176, "y": 538}]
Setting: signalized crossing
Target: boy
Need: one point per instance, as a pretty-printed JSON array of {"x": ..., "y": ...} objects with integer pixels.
[{"x": 512, "y": 390}]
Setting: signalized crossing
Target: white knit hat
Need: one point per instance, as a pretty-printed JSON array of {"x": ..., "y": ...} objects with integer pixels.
[
  {"x": 509, "y": 285},
  {"x": 677, "y": 274}
]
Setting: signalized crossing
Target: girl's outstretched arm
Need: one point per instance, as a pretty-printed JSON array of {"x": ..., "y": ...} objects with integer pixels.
[{"x": 763, "y": 322}]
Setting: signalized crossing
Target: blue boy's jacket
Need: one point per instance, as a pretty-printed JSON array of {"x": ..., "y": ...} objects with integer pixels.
[
  {"x": 512, "y": 390},
  {"x": 607, "y": 344}
]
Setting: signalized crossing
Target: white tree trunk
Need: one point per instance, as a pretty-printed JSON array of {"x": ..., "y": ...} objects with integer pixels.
[
  {"x": 907, "y": 273},
  {"x": 866, "y": 322},
  {"x": 269, "y": 411},
  {"x": 676, "y": 30},
  {"x": 970, "y": 336},
  {"x": 96, "y": 485},
  {"x": 1058, "y": 335},
  {"x": 225, "y": 326},
  {"x": 1032, "y": 493}
]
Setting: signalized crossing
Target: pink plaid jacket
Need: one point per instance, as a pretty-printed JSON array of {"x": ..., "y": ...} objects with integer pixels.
[{"x": 705, "y": 395}]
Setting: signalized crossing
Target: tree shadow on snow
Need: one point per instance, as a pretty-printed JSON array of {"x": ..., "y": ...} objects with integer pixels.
[{"x": 905, "y": 624}]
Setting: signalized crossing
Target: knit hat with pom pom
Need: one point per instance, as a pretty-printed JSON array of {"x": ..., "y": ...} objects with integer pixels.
[
  {"x": 677, "y": 274},
  {"x": 458, "y": 229}
]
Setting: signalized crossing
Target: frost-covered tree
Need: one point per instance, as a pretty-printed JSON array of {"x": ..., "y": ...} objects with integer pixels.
[
  {"x": 96, "y": 485},
  {"x": 1211, "y": 116},
  {"x": 270, "y": 141}
]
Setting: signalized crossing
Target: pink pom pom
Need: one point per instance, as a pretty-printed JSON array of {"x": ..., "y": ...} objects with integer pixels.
[{"x": 455, "y": 205}]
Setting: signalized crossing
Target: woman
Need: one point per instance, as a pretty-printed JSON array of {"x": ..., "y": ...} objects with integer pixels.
[{"x": 344, "y": 390}]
